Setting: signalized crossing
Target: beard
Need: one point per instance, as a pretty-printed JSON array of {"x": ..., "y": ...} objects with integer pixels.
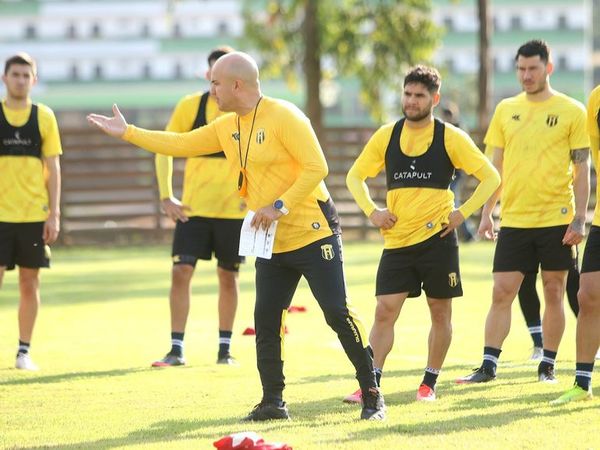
[{"x": 416, "y": 116}]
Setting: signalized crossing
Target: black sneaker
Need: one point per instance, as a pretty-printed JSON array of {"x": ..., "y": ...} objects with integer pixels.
[
  {"x": 373, "y": 405},
  {"x": 479, "y": 375},
  {"x": 227, "y": 360},
  {"x": 169, "y": 360},
  {"x": 267, "y": 411},
  {"x": 546, "y": 375}
]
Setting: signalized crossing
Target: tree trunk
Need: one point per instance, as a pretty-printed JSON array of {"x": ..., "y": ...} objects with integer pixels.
[
  {"x": 485, "y": 29},
  {"x": 312, "y": 66}
]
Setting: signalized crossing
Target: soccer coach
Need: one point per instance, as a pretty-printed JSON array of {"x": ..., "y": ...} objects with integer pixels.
[{"x": 282, "y": 168}]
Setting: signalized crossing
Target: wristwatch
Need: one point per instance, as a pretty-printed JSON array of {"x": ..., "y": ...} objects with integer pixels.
[{"x": 278, "y": 204}]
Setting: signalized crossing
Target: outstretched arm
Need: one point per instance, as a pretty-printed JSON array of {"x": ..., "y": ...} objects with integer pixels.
[{"x": 201, "y": 141}]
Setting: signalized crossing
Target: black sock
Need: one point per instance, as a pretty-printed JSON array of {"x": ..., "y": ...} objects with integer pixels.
[
  {"x": 583, "y": 375},
  {"x": 176, "y": 344},
  {"x": 547, "y": 361},
  {"x": 224, "y": 342},
  {"x": 430, "y": 377},
  {"x": 490, "y": 358},
  {"x": 535, "y": 330},
  {"x": 23, "y": 348}
]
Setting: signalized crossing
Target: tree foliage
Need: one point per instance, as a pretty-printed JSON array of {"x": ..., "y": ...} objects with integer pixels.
[{"x": 372, "y": 40}]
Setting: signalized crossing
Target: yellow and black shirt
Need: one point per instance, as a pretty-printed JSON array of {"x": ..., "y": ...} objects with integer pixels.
[
  {"x": 27, "y": 136},
  {"x": 419, "y": 202},
  {"x": 593, "y": 128},
  {"x": 209, "y": 182},
  {"x": 285, "y": 161},
  {"x": 537, "y": 174}
]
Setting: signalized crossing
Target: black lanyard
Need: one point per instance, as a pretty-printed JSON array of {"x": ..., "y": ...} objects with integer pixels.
[{"x": 245, "y": 162}]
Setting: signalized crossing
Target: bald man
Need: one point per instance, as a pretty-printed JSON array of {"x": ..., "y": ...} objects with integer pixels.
[{"x": 281, "y": 171}]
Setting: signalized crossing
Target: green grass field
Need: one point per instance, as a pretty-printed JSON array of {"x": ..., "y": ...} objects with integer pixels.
[{"x": 104, "y": 319}]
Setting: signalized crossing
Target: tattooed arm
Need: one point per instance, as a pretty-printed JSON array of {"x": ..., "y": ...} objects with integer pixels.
[{"x": 581, "y": 187}]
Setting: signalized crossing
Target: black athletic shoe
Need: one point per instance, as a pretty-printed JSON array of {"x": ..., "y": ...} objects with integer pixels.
[
  {"x": 373, "y": 405},
  {"x": 547, "y": 375},
  {"x": 227, "y": 360},
  {"x": 479, "y": 375},
  {"x": 267, "y": 411}
]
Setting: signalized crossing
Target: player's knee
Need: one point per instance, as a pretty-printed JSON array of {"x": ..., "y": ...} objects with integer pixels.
[
  {"x": 503, "y": 295},
  {"x": 441, "y": 317},
  {"x": 333, "y": 313},
  {"x": 589, "y": 301},
  {"x": 384, "y": 314},
  {"x": 182, "y": 273}
]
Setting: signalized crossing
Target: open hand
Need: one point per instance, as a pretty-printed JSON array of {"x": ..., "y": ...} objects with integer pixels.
[{"x": 115, "y": 125}]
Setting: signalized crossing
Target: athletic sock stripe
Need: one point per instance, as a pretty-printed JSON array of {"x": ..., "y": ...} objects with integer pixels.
[
  {"x": 490, "y": 358},
  {"x": 583, "y": 373},
  {"x": 536, "y": 329},
  {"x": 432, "y": 370},
  {"x": 177, "y": 342},
  {"x": 548, "y": 360},
  {"x": 224, "y": 340}
]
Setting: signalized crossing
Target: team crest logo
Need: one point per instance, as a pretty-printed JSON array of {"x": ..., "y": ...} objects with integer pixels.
[
  {"x": 551, "y": 120},
  {"x": 452, "y": 279},
  {"x": 327, "y": 252},
  {"x": 260, "y": 136},
  {"x": 516, "y": 117},
  {"x": 176, "y": 259},
  {"x": 316, "y": 225},
  {"x": 235, "y": 136}
]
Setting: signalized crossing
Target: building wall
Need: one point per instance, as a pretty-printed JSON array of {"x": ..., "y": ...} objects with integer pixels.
[
  {"x": 564, "y": 25},
  {"x": 117, "y": 40}
]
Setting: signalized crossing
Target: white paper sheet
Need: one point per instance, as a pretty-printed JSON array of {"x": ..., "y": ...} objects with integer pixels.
[{"x": 255, "y": 242}]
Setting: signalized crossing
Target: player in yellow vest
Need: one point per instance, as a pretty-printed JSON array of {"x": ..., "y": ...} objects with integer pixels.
[
  {"x": 208, "y": 221},
  {"x": 541, "y": 150},
  {"x": 588, "y": 319},
  {"x": 282, "y": 168},
  {"x": 419, "y": 154},
  {"x": 29, "y": 191}
]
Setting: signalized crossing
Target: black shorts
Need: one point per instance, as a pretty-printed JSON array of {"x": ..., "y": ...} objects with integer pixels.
[
  {"x": 524, "y": 249},
  {"x": 22, "y": 244},
  {"x": 432, "y": 265},
  {"x": 200, "y": 237},
  {"x": 591, "y": 254}
]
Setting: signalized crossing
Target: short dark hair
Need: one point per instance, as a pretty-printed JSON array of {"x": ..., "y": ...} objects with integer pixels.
[
  {"x": 21, "y": 59},
  {"x": 217, "y": 53},
  {"x": 425, "y": 75},
  {"x": 535, "y": 47}
]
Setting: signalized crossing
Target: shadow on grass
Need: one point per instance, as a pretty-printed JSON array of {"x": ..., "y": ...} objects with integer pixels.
[
  {"x": 475, "y": 422},
  {"x": 61, "y": 377},
  {"x": 176, "y": 430},
  {"x": 386, "y": 374},
  {"x": 311, "y": 414}
]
